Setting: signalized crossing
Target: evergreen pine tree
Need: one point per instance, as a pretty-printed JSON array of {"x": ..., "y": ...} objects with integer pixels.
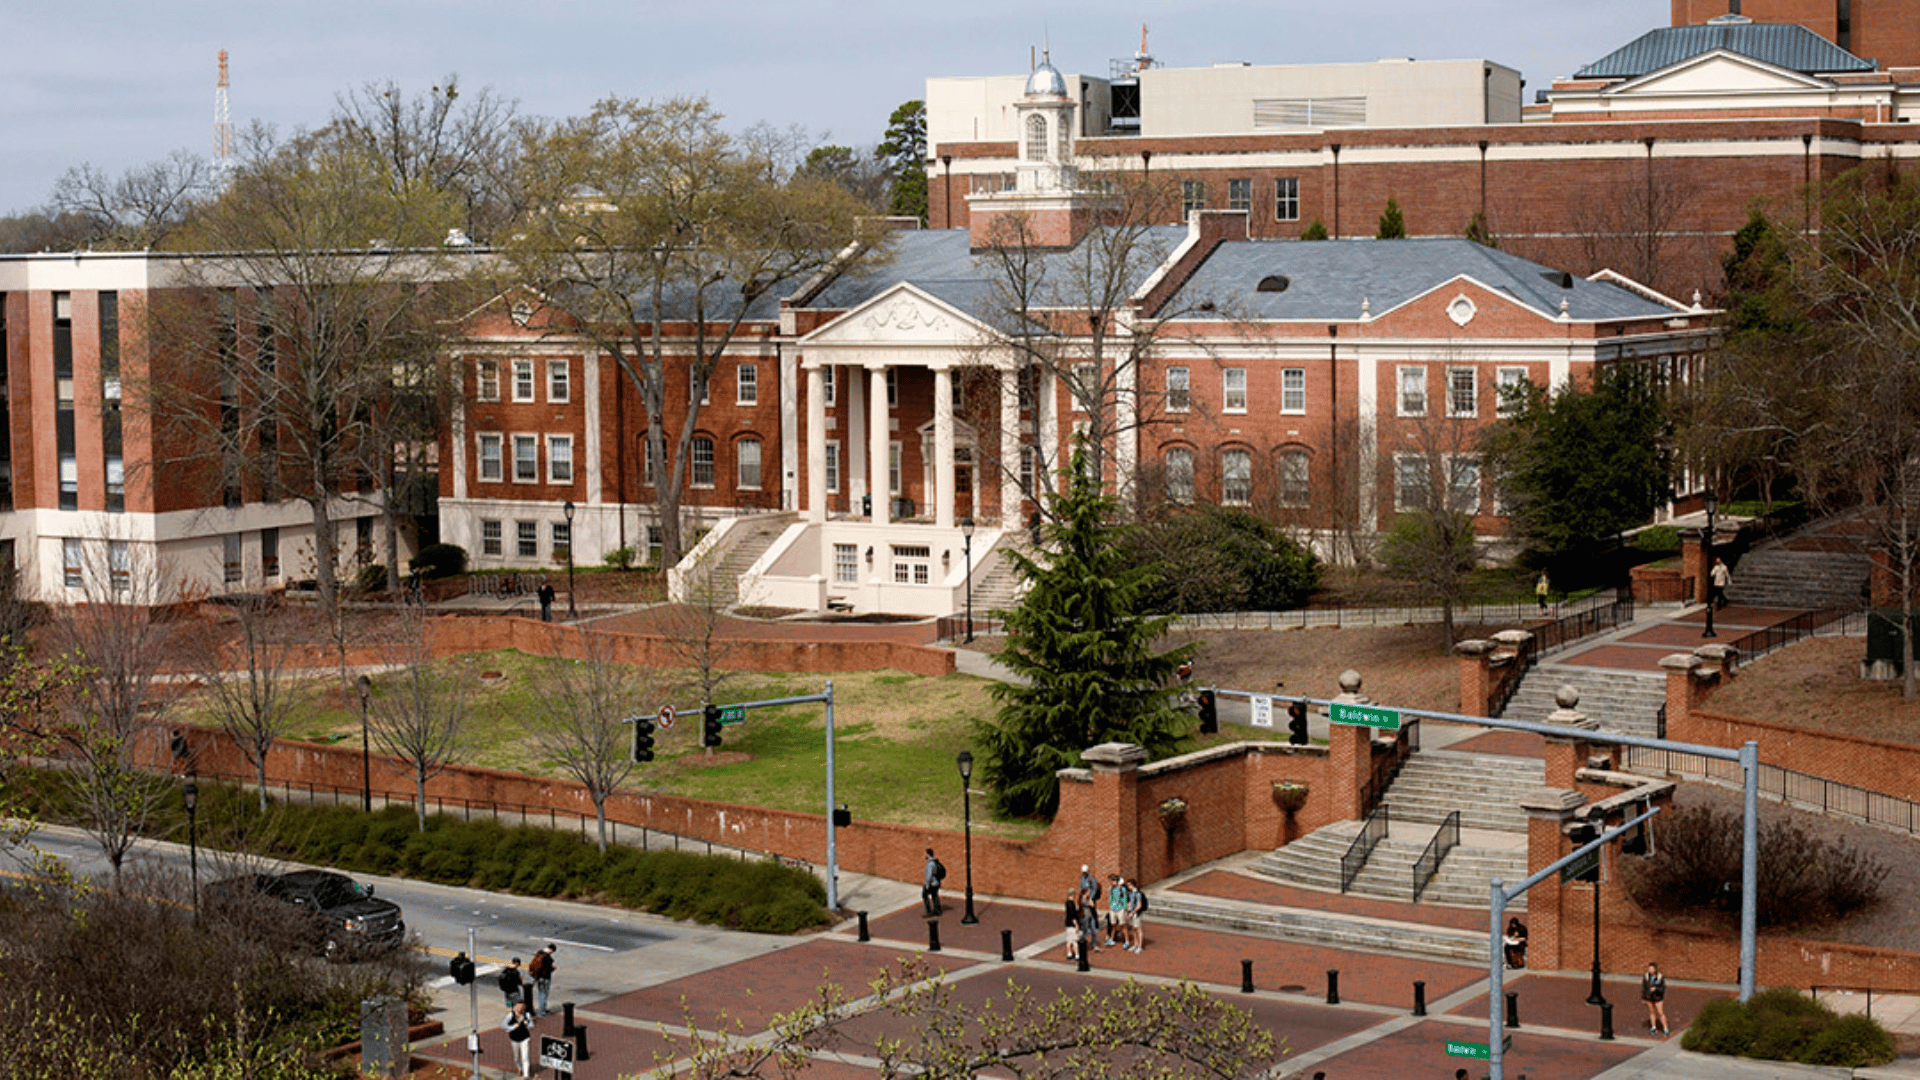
[
  {"x": 1085, "y": 649},
  {"x": 1315, "y": 231},
  {"x": 1479, "y": 232},
  {"x": 1392, "y": 225}
]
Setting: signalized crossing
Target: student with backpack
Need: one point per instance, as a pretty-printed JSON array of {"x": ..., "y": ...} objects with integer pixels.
[{"x": 936, "y": 872}]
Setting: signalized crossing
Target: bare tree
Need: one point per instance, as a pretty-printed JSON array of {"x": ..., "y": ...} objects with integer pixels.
[
  {"x": 446, "y": 141},
  {"x": 695, "y": 628},
  {"x": 418, "y": 711},
  {"x": 1437, "y": 493},
  {"x": 588, "y": 703},
  {"x": 252, "y": 690},
  {"x": 141, "y": 207}
]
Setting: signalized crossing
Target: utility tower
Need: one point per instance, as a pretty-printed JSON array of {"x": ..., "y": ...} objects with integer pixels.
[{"x": 222, "y": 126}]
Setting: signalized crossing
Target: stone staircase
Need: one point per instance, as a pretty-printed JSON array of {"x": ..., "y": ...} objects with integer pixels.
[
  {"x": 1776, "y": 575},
  {"x": 998, "y": 587},
  {"x": 1620, "y": 701},
  {"x": 1485, "y": 788},
  {"x": 1312, "y": 927},
  {"x": 1313, "y": 862},
  {"x": 751, "y": 537}
]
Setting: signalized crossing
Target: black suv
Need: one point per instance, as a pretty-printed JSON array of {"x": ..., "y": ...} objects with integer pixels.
[{"x": 347, "y": 918}]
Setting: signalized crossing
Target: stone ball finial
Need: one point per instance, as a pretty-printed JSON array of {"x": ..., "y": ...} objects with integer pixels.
[
  {"x": 1567, "y": 696},
  {"x": 1350, "y": 681}
]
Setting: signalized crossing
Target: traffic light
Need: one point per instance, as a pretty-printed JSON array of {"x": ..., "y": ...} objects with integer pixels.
[
  {"x": 1297, "y": 723},
  {"x": 1209, "y": 714},
  {"x": 710, "y": 726},
  {"x": 461, "y": 968},
  {"x": 643, "y": 738},
  {"x": 842, "y": 817}
]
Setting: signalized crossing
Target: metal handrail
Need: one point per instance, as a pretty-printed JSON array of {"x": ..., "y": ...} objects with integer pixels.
[
  {"x": 1568, "y": 629},
  {"x": 1786, "y": 786},
  {"x": 1372, "y": 831},
  {"x": 1814, "y": 992},
  {"x": 1759, "y": 643},
  {"x": 1445, "y": 839}
]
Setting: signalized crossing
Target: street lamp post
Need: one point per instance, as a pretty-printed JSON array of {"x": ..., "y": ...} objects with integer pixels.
[
  {"x": 1713, "y": 506},
  {"x": 190, "y": 795},
  {"x": 566, "y": 511},
  {"x": 966, "y": 544},
  {"x": 965, "y": 761},
  {"x": 365, "y": 686}
]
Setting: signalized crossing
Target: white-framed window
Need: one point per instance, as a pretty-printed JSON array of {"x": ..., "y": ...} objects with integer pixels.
[
  {"x": 1240, "y": 194},
  {"x": 486, "y": 380},
  {"x": 1233, "y": 390},
  {"x": 72, "y": 563},
  {"x": 269, "y": 553},
  {"x": 1036, "y": 137},
  {"x": 526, "y": 459},
  {"x": 1179, "y": 389},
  {"x": 230, "y": 558},
  {"x": 523, "y": 380},
  {"x": 559, "y": 382},
  {"x": 831, "y": 379},
  {"x": 491, "y": 465},
  {"x": 655, "y": 545},
  {"x": 117, "y": 483},
  {"x": 1507, "y": 383},
  {"x": 893, "y": 468},
  {"x": 1180, "y": 475},
  {"x": 1086, "y": 385},
  {"x": 833, "y": 466},
  {"x": 746, "y": 457},
  {"x": 1296, "y": 478},
  {"x": 69, "y": 482},
  {"x": 559, "y": 459},
  {"x": 1463, "y": 483},
  {"x": 561, "y": 534},
  {"x": 893, "y": 388},
  {"x": 699, "y": 387},
  {"x": 526, "y": 539},
  {"x": 1293, "y": 391},
  {"x": 119, "y": 565},
  {"x": 1236, "y": 477},
  {"x": 746, "y": 384},
  {"x": 702, "y": 474},
  {"x": 1412, "y": 484},
  {"x": 912, "y": 564},
  {"x": 1026, "y": 468},
  {"x": 1413, "y": 390},
  {"x": 490, "y": 537},
  {"x": 846, "y": 563},
  {"x": 1463, "y": 392},
  {"x": 1193, "y": 196},
  {"x": 1286, "y": 198}
]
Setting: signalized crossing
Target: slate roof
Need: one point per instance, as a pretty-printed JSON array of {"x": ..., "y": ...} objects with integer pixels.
[
  {"x": 1783, "y": 45},
  {"x": 1327, "y": 279}
]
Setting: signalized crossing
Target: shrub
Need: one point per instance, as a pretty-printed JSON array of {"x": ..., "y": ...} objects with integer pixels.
[
  {"x": 1722, "y": 1027},
  {"x": 1782, "y": 1024},
  {"x": 372, "y": 578},
  {"x": 621, "y": 558},
  {"x": 1214, "y": 558},
  {"x": 1803, "y": 879},
  {"x": 1851, "y": 1042},
  {"x": 1658, "y": 540},
  {"x": 439, "y": 560}
]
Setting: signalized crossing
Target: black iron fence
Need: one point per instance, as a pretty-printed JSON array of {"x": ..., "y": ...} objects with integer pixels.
[
  {"x": 1445, "y": 839},
  {"x": 1568, "y": 629},
  {"x": 954, "y": 627},
  {"x": 1372, "y": 831},
  {"x": 1760, "y": 642},
  {"x": 1803, "y": 790}
]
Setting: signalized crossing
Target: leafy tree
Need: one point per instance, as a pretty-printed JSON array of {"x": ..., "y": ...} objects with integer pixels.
[
  {"x": 1393, "y": 226},
  {"x": 863, "y": 175},
  {"x": 1434, "y": 549},
  {"x": 1480, "y": 232},
  {"x": 904, "y": 152},
  {"x": 1220, "y": 558},
  {"x": 1577, "y": 466},
  {"x": 1316, "y": 230},
  {"x": 1438, "y": 492},
  {"x": 1083, "y": 644}
]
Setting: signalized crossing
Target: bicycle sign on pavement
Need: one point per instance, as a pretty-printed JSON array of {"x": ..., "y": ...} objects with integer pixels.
[
  {"x": 556, "y": 1054},
  {"x": 1372, "y": 716}
]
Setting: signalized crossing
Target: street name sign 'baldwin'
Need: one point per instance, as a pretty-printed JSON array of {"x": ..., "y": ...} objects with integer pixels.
[
  {"x": 1371, "y": 716},
  {"x": 1477, "y": 1050}
]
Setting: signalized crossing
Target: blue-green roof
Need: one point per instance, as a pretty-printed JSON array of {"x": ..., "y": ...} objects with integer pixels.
[{"x": 1783, "y": 45}]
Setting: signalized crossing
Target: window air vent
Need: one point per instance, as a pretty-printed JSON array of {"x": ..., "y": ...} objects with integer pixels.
[{"x": 1273, "y": 283}]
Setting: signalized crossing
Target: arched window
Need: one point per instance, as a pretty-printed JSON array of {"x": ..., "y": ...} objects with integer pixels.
[
  {"x": 702, "y": 462},
  {"x": 1180, "y": 475},
  {"x": 1236, "y": 477},
  {"x": 1296, "y": 478},
  {"x": 1036, "y": 137}
]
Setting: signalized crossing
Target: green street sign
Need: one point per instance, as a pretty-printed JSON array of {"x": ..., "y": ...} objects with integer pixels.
[
  {"x": 1477, "y": 1050},
  {"x": 1581, "y": 867},
  {"x": 1364, "y": 716},
  {"x": 733, "y": 714}
]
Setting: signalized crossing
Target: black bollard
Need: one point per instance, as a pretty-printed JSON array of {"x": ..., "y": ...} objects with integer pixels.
[
  {"x": 933, "y": 936},
  {"x": 566, "y": 1019},
  {"x": 1333, "y": 987},
  {"x": 526, "y": 995},
  {"x": 863, "y": 926},
  {"x": 579, "y": 1043},
  {"x": 1419, "y": 998},
  {"x": 1083, "y": 965},
  {"x": 1513, "y": 1009},
  {"x": 1006, "y": 945},
  {"x": 1246, "y": 976},
  {"x": 1606, "y": 1021}
]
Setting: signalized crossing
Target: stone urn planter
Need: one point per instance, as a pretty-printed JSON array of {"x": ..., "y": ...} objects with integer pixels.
[
  {"x": 1289, "y": 796},
  {"x": 1172, "y": 812}
]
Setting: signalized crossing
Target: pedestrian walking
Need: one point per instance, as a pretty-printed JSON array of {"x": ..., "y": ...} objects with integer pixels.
[
  {"x": 1653, "y": 991},
  {"x": 519, "y": 1028},
  {"x": 936, "y": 872},
  {"x": 540, "y": 968},
  {"x": 511, "y": 981},
  {"x": 1717, "y": 581},
  {"x": 1540, "y": 590},
  {"x": 1117, "y": 904},
  {"x": 1136, "y": 917},
  {"x": 1073, "y": 925},
  {"x": 1515, "y": 941},
  {"x": 545, "y": 593}
]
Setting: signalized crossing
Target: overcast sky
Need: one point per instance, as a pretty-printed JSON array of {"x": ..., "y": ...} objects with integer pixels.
[{"x": 120, "y": 82}]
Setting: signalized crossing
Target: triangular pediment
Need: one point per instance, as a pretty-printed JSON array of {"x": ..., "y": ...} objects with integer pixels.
[
  {"x": 1719, "y": 71},
  {"x": 901, "y": 316}
]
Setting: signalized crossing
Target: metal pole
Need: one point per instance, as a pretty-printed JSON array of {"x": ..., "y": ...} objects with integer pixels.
[
  {"x": 1594, "y": 994},
  {"x": 193, "y": 846},
  {"x": 1749, "y": 866},
  {"x": 473, "y": 1006},
  {"x": 967, "y": 545},
  {"x": 966, "y": 803},
  {"x": 1496, "y": 979},
  {"x": 1708, "y": 560},
  {"x": 833, "y": 866},
  {"x": 366, "y": 754},
  {"x": 572, "y": 612}
]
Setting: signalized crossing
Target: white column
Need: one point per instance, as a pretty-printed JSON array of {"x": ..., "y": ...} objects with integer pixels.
[
  {"x": 855, "y": 447},
  {"x": 1126, "y": 427},
  {"x": 1009, "y": 451},
  {"x": 943, "y": 447},
  {"x": 816, "y": 446},
  {"x": 877, "y": 443},
  {"x": 789, "y": 364},
  {"x": 1047, "y": 453},
  {"x": 587, "y": 462}
]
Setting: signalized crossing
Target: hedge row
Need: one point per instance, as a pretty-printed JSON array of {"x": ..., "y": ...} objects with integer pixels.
[{"x": 1783, "y": 1024}]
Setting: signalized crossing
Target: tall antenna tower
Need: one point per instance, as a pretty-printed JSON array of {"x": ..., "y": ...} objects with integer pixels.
[{"x": 222, "y": 125}]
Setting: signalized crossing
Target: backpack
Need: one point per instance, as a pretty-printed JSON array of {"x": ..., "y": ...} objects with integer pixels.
[
  {"x": 1141, "y": 896},
  {"x": 509, "y": 979},
  {"x": 939, "y": 870}
]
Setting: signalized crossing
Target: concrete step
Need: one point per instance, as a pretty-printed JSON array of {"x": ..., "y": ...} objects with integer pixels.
[
  {"x": 1321, "y": 927},
  {"x": 1778, "y": 576},
  {"x": 1314, "y": 862}
]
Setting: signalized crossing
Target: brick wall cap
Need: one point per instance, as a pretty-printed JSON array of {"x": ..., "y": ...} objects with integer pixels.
[
  {"x": 1551, "y": 802},
  {"x": 1221, "y": 753},
  {"x": 1114, "y": 757},
  {"x": 1639, "y": 788},
  {"x": 1680, "y": 662},
  {"x": 1474, "y": 647},
  {"x": 1515, "y": 638},
  {"x": 1718, "y": 654},
  {"x": 1076, "y": 776}
]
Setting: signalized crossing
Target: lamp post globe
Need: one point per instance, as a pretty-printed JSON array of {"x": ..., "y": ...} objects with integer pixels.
[
  {"x": 965, "y": 762},
  {"x": 566, "y": 511}
]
